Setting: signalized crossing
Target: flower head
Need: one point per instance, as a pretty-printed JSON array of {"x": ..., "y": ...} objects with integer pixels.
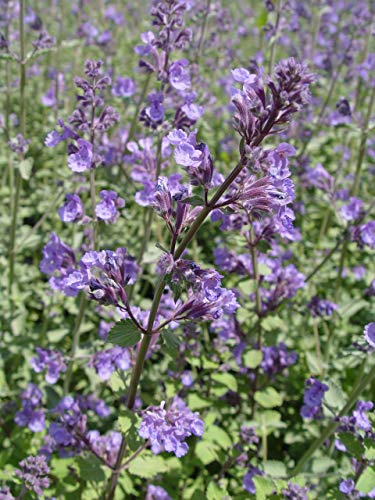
[{"x": 168, "y": 429}]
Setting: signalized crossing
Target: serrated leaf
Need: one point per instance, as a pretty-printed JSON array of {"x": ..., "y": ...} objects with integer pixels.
[
  {"x": 124, "y": 333},
  {"x": 252, "y": 359},
  {"x": 195, "y": 201},
  {"x": 90, "y": 469},
  {"x": 148, "y": 466},
  {"x": 172, "y": 343},
  {"x": 268, "y": 398},
  {"x": 351, "y": 443},
  {"x": 366, "y": 482},
  {"x": 226, "y": 379}
]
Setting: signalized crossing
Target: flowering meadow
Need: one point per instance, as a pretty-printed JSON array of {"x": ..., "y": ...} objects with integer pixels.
[{"x": 187, "y": 249}]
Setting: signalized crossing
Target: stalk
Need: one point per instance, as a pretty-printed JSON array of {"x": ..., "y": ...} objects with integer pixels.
[
  {"x": 22, "y": 117},
  {"x": 75, "y": 344},
  {"x": 203, "y": 32},
  {"x": 273, "y": 44},
  {"x": 356, "y": 184},
  {"x": 358, "y": 388}
]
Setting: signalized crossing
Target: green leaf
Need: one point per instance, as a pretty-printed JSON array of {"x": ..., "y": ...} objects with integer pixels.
[
  {"x": 172, "y": 343},
  {"x": 334, "y": 396},
  {"x": 215, "y": 492},
  {"x": 25, "y": 167},
  {"x": 195, "y": 201},
  {"x": 264, "y": 487},
  {"x": 206, "y": 452},
  {"x": 252, "y": 359},
  {"x": 226, "y": 379},
  {"x": 370, "y": 449},
  {"x": 274, "y": 468},
  {"x": 261, "y": 20},
  {"x": 124, "y": 333},
  {"x": 349, "y": 310},
  {"x": 218, "y": 435},
  {"x": 196, "y": 402},
  {"x": 147, "y": 465},
  {"x": 351, "y": 443},
  {"x": 366, "y": 482},
  {"x": 90, "y": 469},
  {"x": 268, "y": 398}
]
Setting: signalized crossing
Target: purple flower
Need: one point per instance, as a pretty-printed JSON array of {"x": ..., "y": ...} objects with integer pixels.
[
  {"x": 49, "y": 360},
  {"x": 168, "y": 429},
  {"x": 33, "y": 473},
  {"x": 5, "y": 493},
  {"x": 369, "y": 333},
  {"x": 247, "y": 482},
  {"x": 178, "y": 75},
  {"x": 106, "y": 362},
  {"x": 124, "y": 87},
  {"x": 107, "y": 209},
  {"x": 54, "y": 138},
  {"x": 156, "y": 493},
  {"x": 313, "y": 397},
  {"x": 19, "y": 145},
  {"x": 319, "y": 178},
  {"x": 106, "y": 446},
  {"x": 276, "y": 359},
  {"x": 108, "y": 274},
  {"x": 295, "y": 492},
  {"x": 321, "y": 307},
  {"x": 278, "y": 158},
  {"x": 153, "y": 115},
  {"x": 56, "y": 256},
  {"x": 353, "y": 210},
  {"x": 31, "y": 415},
  {"x": 81, "y": 159},
  {"x": 365, "y": 234},
  {"x": 72, "y": 210},
  {"x": 44, "y": 41},
  {"x": 360, "y": 416},
  {"x": 346, "y": 486}
]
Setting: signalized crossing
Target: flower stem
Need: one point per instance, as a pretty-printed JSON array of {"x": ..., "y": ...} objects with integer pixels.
[
  {"x": 356, "y": 184},
  {"x": 75, "y": 344},
  {"x": 22, "y": 118}
]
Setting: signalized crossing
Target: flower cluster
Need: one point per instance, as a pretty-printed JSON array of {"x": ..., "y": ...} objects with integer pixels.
[
  {"x": 49, "y": 360},
  {"x": 206, "y": 298},
  {"x": 276, "y": 359},
  {"x": 313, "y": 397},
  {"x": 106, "y": 362},
  {"x": 34, "y": 473},
  {"x": 321, "y": 307},
  {"x": 31, "y": 414},
  {"x": 167, "y": 429}
]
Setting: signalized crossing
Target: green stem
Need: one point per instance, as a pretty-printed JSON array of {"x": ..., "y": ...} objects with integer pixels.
[
  {"x": 358, "y": 388},
  {"x": 324, "y": 261},
  {"x": 356, "y": 184},
  {"x": 22, "y": 117},
  {"x": 273, "y": 44},
  {"x": 203, "y": 32},
  {"x": 75, "y": 344}
]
